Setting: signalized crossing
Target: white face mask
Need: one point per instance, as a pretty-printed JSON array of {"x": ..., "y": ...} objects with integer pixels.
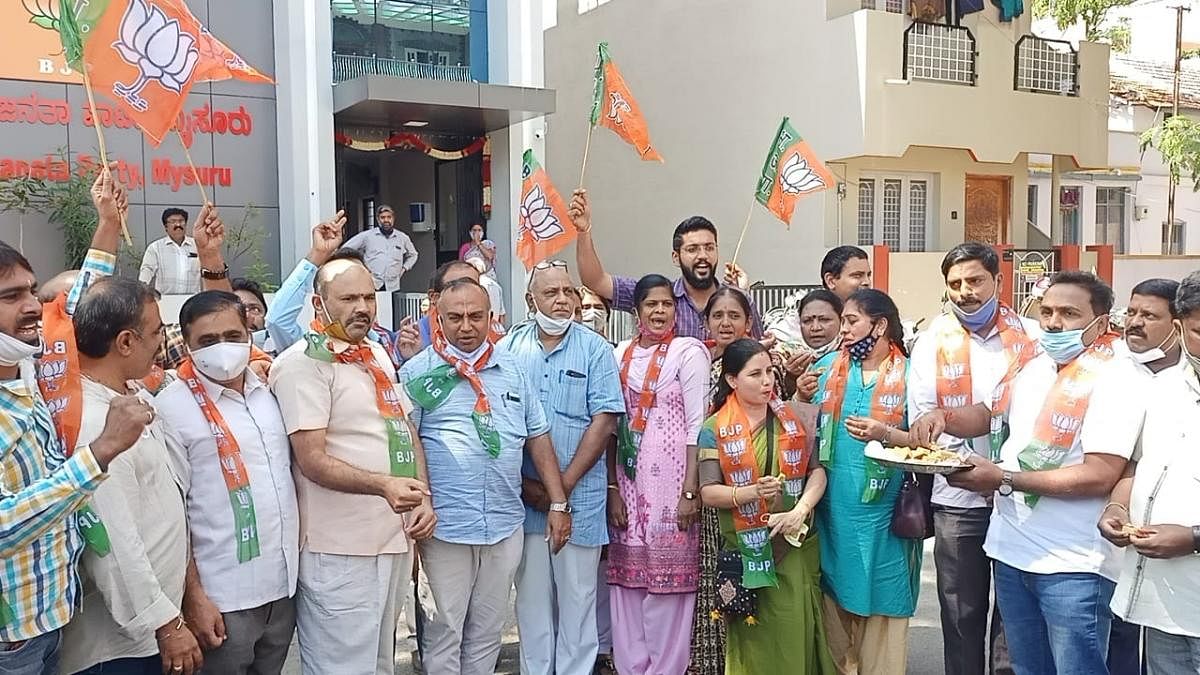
[
  {"x": 551, "y": 325},
  {"x": 223, "y": 361},
  {"x": 1155, "y": 354},
  {"x": 14, "y": 351},
  {"x": 471, "y": 357},
  {"x": 595, "y": 318}
]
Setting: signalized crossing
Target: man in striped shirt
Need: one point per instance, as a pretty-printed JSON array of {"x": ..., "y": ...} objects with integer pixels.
[{"x": 41, "y": 489}]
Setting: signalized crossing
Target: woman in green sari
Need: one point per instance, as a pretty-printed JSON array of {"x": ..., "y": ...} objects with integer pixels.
[{"x": 761, "y": 494}]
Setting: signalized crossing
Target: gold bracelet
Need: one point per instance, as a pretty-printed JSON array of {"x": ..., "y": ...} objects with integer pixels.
[
  {"x": 1116, "y": 504},
  {"x": 735, "y": 504}
]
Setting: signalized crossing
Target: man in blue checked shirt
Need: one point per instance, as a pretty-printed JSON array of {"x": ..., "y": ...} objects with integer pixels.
[
  {"x": 41, "y": 489},
  {"x": 478, "y": 416},
  {"x": 574, "y": 373}
]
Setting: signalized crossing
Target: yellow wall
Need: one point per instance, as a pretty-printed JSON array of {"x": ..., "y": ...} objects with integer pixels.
[{"x": 915, "y": 282}]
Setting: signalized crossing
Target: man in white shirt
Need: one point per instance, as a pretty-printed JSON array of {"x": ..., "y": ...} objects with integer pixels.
[
  {"x": 1073, "y": 414},
  {"x": 388, "y": 252},
  {"x": 361, "y": 481},
  {"x": 241, "y": 501},
  {"x": 172, "y": 264},
  {"x": 1153, "y": 511},
  {"x": 956, "y": 363},
  {"x": 130, "y": 620}
]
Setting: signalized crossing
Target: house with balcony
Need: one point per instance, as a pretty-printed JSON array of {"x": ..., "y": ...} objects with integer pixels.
[
  {"x": 428, "y": 102},
  {"x": 927, "y": 123}
]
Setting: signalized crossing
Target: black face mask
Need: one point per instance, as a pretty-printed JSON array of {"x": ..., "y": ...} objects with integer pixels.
[{"x": 861, "y": 349}]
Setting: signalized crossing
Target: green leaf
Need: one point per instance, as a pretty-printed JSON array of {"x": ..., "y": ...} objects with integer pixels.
[{"x": 46, "y": 22}]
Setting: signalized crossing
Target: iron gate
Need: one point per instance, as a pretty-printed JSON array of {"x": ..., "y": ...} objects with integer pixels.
[{"x": 1029, "y": 266}]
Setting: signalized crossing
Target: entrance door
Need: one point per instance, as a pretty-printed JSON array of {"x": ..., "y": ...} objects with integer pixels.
[{"x": 987, "y": 209}]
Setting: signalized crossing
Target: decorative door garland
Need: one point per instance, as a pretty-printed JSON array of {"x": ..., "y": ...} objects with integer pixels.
[{"x": 408, "y": 141}]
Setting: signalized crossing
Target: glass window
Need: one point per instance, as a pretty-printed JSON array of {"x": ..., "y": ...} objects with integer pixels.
[
  {"x": 891, "y": 213},
  {"x": 1069, "y": 203},
  {"x": 429, "y": 40},
  {"x": 918, "y": 195},
  {"x": 866, "y": 212},
  {"x": 1173, "y": 238},
  {"x": 1110, "y": 217},
  {"x": 1031, "y": 215}
]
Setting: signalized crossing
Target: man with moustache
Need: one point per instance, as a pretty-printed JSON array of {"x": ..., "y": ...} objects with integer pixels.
[
  {"x": 132, "y": 621},
  {"x": 958, "y": 362},
  {"x": 1152, "y": 511},
  {"x": 172, "y": 264},
  {"x": 361, "y": 481},
  {"x": 1066, "y": 422},
  {"x": 478, "y": 416},
  {"x": 575, "y": 373},
  {"x": 694, "y": 251}
]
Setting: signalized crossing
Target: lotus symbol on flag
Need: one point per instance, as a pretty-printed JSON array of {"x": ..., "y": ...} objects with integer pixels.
[
  {"x": 797, "y": 178},
  {"x": 537, "y": 217},
  {"x": 42, "y": 13},
  {"x": 160, "y": 50}
]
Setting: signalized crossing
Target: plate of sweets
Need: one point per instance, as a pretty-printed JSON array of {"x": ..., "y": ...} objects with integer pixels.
[{"x": 917, "y": 460}]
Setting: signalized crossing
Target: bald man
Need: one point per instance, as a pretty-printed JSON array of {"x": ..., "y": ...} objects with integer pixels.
[
  {"x": 478, "y": 417},
  {"x": 58, "y": 284},
  {"x": 361, "y": 485}
]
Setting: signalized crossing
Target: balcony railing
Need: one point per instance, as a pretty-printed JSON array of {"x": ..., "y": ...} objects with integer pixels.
[
  {"x": 349, "y": 66},
  {"x": 1046, "y": 66},
  {"x": 894, "y": 6},
  {"x": 940, "y": 53}
]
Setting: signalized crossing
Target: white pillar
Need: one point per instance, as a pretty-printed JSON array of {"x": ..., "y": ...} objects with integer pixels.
[
  {"x": 304, "y": 114},
  {"x": 515, "y": 58}
]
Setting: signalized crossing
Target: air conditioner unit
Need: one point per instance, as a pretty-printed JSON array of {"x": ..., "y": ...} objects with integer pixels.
[{"x": 420, "y": 214}]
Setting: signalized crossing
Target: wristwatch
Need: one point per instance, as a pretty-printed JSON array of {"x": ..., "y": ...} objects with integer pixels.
[
  {"x": 560, "y": 507},
  {"x": 689, "y": 495},
  {"x": 1006, "y": 484},
  {"x": 1196, "y": 538},
  {"x": 214, "y": 275}
]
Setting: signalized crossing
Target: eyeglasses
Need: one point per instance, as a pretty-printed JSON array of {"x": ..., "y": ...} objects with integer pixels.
[{"x": 544, "y": 265}]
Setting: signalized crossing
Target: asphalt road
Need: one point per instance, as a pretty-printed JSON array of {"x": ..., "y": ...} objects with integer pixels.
[{"x": 924, "y": 636}]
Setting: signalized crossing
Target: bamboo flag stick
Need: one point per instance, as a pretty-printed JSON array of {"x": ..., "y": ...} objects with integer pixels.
[
  {"x": 742, "y": 237},
  {"x": 87, "y": 86},
  {"x": 586, "y": 146},
  {"x": 187, "y": 153}
]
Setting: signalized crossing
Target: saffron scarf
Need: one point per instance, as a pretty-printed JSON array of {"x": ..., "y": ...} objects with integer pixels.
[
  {"x": 233, "y": 470},
  {"x": 61, "y": 383},
  {"x": 401, "y": 457},
  {"x": 1062, "y": 414},
  {"x": 433, "y": 388},
  {"x": 739, "y": 466},
  {"x": 954, "y": 367},
  {"x": 887, "y": 406},
  {"x": 633, "y": 423}
]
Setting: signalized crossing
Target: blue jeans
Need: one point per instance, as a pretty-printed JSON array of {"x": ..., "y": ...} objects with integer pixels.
[
  {"x": 38, "y": 656},
  {"x": 1168, "y": 654},
  {"x": 146, "y": 665},
  {"x": 1056, "y": 624}
]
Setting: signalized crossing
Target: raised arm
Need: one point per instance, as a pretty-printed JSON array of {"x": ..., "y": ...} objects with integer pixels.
[
  {"x": 283, "y": 316},
  {"x": 209, "y": 233},
  {"x": 591, "y": 270}
]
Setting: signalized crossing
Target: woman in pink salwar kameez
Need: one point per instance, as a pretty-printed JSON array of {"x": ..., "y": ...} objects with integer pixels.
[{"x": 654, "y": 555}]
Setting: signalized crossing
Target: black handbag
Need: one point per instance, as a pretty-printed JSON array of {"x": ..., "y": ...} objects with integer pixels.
[
  {"x": 912, "y": 516},
  {"x": 734, "y": 600}
]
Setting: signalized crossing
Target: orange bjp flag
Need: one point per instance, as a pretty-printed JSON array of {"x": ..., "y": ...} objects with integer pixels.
[
  {"x": 544, "y": 226},
  {"x": 792, "y": 171},
  {"x": 613, "y": 106},
  {"x": 148, "y": 54}
]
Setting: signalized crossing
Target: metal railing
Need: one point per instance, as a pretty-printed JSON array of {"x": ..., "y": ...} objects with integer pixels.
[
  {"x": 1046, "y": 66},
  {"x": 940, "y": 53},
  {"x": 893, "y": 6},
  {"x": 349, "y": 66}
]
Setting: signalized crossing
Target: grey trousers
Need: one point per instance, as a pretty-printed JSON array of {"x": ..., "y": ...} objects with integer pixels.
[
  {"x": 257, "y": 640},
  {"x": 964, "y": 583},
  {"x": 1168, "y": 654}
]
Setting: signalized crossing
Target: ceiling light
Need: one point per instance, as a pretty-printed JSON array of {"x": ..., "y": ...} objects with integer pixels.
[{"x": 416, "y": 123}]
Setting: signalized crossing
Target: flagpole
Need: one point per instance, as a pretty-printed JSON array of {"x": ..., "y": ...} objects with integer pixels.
[
  {"x": 87, "y": 86},
  {"x": 742, "y": 237},
  {"x": 188, "y": 153},
  {"x": 586, "y": 146}
]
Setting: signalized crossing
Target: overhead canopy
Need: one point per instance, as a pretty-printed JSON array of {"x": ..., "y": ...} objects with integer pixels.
[{"x": 468, "y": 108}]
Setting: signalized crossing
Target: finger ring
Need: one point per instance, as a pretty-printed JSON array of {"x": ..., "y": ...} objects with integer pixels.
[{"x": 177, "y": 668}]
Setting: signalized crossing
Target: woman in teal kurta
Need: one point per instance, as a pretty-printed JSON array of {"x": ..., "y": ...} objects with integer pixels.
[
  {"x": 787, "y": 636},
  {"x": 866, "y": 571}
]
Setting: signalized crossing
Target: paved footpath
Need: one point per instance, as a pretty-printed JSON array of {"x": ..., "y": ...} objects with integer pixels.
[{"x": 924, "y": 636}]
